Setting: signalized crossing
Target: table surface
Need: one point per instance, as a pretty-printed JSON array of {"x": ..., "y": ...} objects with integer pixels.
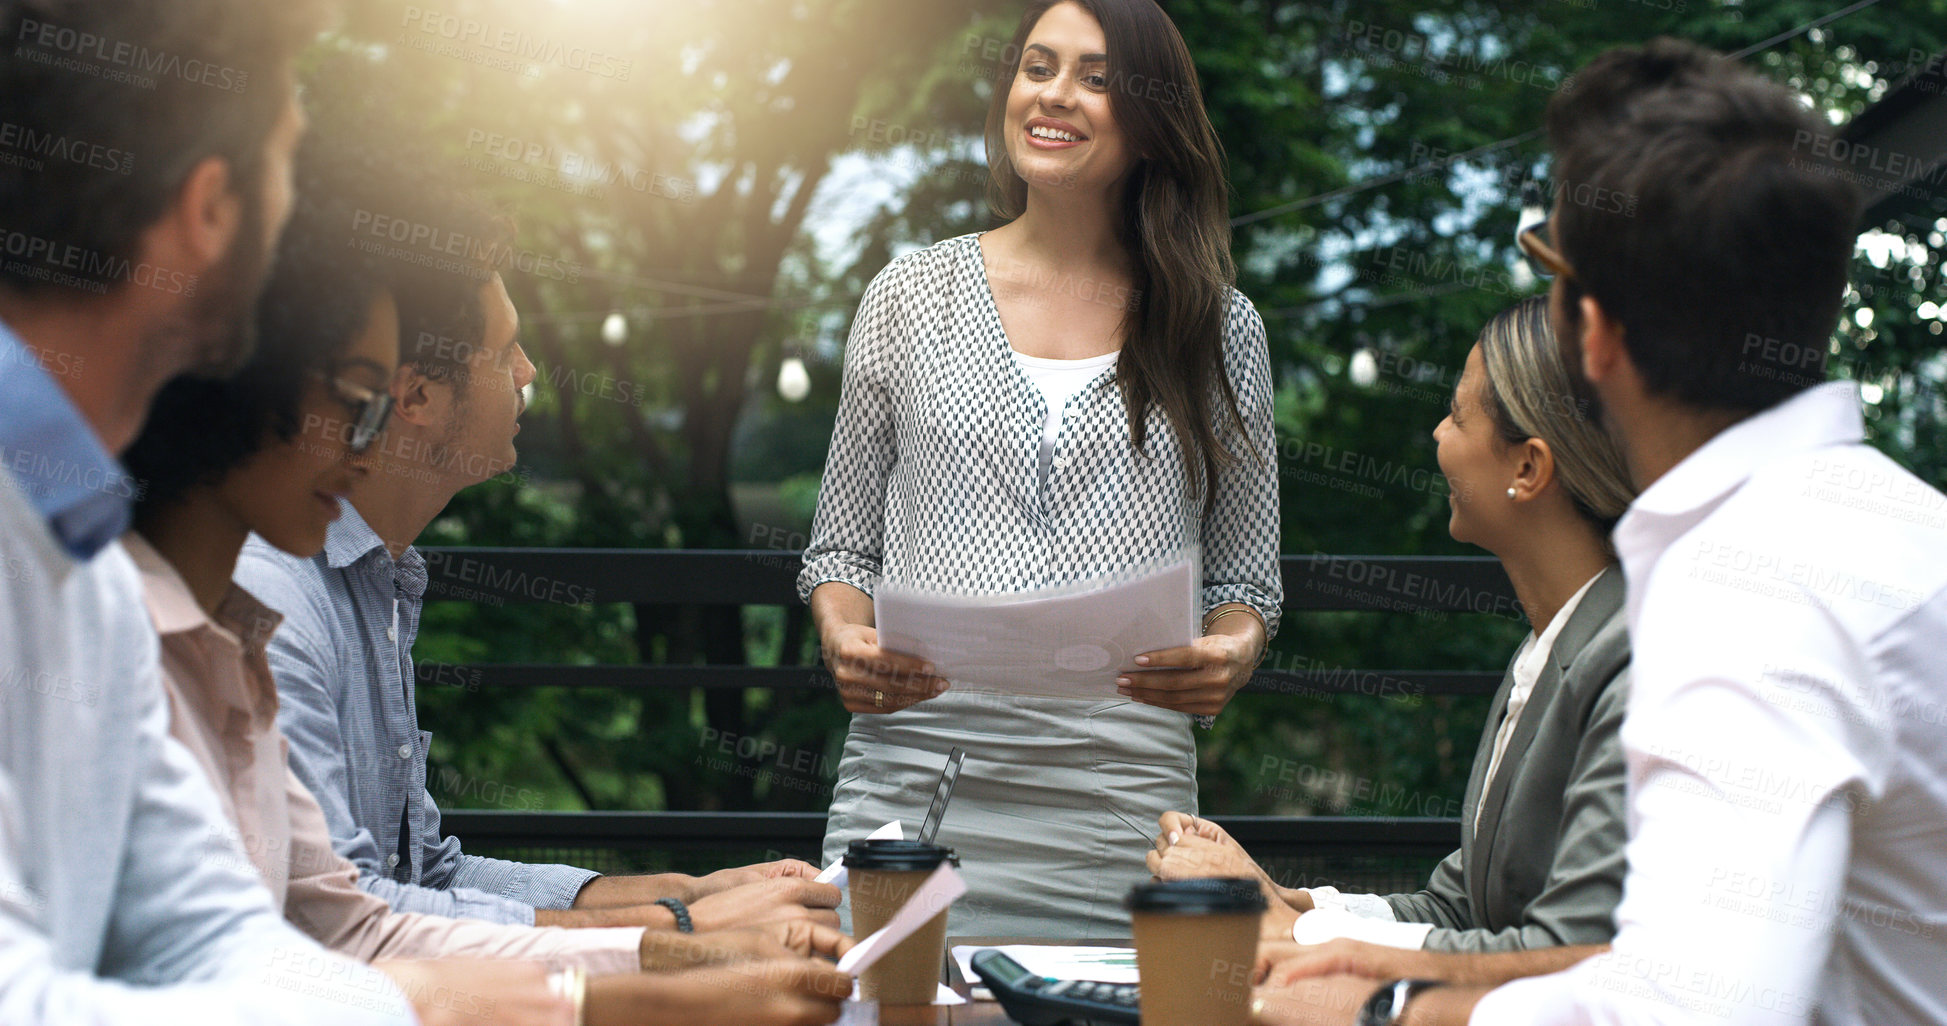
[{"x": 975, "y": 1013}]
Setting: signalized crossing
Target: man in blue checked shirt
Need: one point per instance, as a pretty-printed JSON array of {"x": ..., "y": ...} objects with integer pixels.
[{"x": 343, "y": 654}]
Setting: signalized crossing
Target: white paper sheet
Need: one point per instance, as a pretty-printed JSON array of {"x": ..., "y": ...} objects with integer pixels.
[
  {"x": 932, "y": 896},
  {"x": 1057, "y": 961},
  {"x": 835, "y": 873},
  {"x": 1069, "y": 641},
  {"x": 944, "y": 996}
]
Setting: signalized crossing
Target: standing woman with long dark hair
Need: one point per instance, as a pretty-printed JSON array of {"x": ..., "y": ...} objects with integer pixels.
[{"x": 1077, "y": 392}]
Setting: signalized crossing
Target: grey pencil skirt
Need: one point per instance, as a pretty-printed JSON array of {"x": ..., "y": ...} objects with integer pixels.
[{"x": 1046, "y": 812}]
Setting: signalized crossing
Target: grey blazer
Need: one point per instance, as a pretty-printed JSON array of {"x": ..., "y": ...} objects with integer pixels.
[{"x": 1546, "y": 866}]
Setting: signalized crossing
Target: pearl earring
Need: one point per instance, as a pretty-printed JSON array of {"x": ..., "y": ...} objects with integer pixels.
[{"x": 1510, "y": 493}]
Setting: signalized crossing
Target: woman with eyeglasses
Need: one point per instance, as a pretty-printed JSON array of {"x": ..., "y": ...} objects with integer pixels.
[
  {"x": 271, "y": 451},
  {"x": 1075, "y": 393},
  {"x": 1536, "y": 481}
]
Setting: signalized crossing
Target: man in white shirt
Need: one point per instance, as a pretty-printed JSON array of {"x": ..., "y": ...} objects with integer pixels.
[{"x": 1786, "y": 734}]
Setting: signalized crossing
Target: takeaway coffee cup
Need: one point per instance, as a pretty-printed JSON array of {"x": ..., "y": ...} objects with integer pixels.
[
  {"x": 1196, "y": 943},
  {"x": 882, "y": 874}
]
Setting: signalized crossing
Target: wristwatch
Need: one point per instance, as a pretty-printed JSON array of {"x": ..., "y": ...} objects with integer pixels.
[
  {"x": 1388, "y": 1003},
  {"x": 680, "y": 911}
]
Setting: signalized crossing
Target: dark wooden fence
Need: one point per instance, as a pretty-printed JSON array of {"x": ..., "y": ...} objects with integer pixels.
[{"x": 1313, "y": 583}]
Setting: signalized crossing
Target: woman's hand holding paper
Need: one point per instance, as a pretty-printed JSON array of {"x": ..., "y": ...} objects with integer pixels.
[
  {"x": 1198, "y": 678},
  {"x": 873, "y": 680}
]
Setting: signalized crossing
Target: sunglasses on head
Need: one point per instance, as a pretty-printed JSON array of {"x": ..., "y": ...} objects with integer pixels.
[{"x": 1531, "y": 234}]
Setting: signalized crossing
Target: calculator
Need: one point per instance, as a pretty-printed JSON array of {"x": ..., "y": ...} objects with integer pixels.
[{"x": 1039, "y": 1001}]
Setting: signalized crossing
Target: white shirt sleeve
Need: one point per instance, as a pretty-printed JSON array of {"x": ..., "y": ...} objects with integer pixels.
[
  {"x": 1361, "y": 917},
  {"x": 1747, "y": 758},
  {"x": 195, "y": 937},
  {"x": 1368, "y": 906}
]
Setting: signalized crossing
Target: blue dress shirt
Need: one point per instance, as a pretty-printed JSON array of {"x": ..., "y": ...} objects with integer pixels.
[
  {"x": 343, "y": 662},
  {"x": 53, "y": 455}
]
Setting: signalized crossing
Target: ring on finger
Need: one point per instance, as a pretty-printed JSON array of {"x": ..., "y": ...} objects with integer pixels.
[{"x": 878, "y": 699}]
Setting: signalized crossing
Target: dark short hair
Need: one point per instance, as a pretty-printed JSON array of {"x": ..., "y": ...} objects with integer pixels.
[
  {"x": 1692, "y": 209},
  {"x": 438, "y": 238},
  {"x": 442, "y": 314},
  {"x": 110, "y": 103}
]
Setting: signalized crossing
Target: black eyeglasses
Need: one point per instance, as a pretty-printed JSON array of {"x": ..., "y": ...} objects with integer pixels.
[{"x": 371, "y": 408}]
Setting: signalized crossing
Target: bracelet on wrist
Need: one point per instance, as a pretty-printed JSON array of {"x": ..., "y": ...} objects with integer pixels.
[
  {"x": 680, "y": 911},
  {"x": 1211, "y": 620},
  {"x": 1264, "y": 632},
  {"x": 571, "y": 984}
]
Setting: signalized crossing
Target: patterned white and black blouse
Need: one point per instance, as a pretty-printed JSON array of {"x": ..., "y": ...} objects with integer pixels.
[
  {"x": 933, "y": 478},
  {"x": 932, "y": 474}
]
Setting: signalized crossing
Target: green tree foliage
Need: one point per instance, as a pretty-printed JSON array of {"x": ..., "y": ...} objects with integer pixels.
[{"x": 731, "y": 191}]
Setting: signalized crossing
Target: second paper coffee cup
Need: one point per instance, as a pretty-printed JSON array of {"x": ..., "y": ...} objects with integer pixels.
[
  {"x": 1196, "y": 943},
  {"x": 882, "y": 874}
]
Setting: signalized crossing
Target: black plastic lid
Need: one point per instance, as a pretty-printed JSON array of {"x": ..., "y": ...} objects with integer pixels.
[
  {"x": 1204, "y": 897},
  {"x": 896, "y": 856}
]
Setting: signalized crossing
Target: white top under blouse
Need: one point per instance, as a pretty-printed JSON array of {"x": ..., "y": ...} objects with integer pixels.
[{"x": 1059, "y": 381}]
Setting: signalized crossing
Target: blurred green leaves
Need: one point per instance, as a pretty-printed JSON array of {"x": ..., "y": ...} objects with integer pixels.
[{"x": 763, "y": 159}]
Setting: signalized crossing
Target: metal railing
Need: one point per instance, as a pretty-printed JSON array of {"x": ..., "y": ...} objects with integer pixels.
[{"x": 1316, "y": 583}]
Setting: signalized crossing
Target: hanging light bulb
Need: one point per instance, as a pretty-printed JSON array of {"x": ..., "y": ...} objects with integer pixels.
[
  {"x": 793, "y": 381},
  {"x": 615, "y": 329},
  {"x": 1364, "y": 370}
]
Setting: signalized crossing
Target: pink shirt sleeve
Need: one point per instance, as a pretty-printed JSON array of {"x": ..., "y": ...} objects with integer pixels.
[{"x": 324, "y": 901}]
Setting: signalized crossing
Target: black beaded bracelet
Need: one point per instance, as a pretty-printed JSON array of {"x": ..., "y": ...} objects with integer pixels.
[{"x": 680, "y": 911}]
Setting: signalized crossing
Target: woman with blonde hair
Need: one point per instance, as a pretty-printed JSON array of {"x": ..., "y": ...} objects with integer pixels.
[
  {"x": 1075, "y": 393},
  {"x": 1536, "y": 481}
]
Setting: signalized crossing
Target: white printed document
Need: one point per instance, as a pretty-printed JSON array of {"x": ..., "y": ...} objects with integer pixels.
[
  {"x": 1057, "y": 961},
  {"x": 1069, "y": 641}
]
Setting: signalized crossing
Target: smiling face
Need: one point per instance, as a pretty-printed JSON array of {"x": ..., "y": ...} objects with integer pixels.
[
  {"x": 288, "y": 491},
  {"x": 1059, "y": 128},
  {"x": 1478, "y": 465}
]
